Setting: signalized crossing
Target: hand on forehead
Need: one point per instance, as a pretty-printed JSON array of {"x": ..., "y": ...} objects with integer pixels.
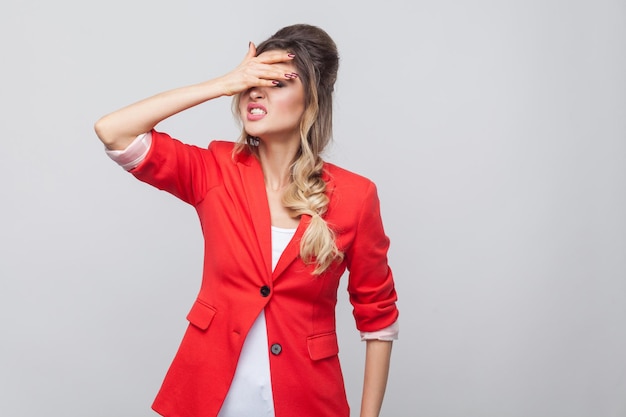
[
  {"x": 275, "y": 56},
  {"x": 278, "y": 59}
]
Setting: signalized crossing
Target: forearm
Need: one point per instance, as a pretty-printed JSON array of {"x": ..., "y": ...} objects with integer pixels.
[
  {"x": 118, "y": 129},
  {"x": 377, "y": 358}
]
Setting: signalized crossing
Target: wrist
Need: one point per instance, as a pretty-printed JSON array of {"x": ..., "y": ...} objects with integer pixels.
[{"x": 225, "y": 87}]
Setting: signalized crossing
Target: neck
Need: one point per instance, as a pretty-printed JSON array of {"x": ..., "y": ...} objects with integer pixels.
[{"x": 276, "y": 159}]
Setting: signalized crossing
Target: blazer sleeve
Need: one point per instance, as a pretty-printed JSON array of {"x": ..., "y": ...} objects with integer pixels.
[
  {"x": 370, "y": 282},
  {"x": 186, "y": 171}
]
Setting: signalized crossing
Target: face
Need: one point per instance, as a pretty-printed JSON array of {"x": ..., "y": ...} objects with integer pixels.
[{"x": 274, "y": 113}]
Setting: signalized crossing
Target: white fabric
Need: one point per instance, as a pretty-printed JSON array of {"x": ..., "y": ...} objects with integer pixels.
[
  {"x": 280, "y": 239},
  {"x": 250, "y": 394},
  {"x": 134, "y": 153},
  {"x": 389, "y": 333}
]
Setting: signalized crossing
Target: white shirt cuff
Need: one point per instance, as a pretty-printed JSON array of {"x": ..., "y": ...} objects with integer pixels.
[
  {"x": 389, "y": 333},
  {"x": 134, "y": 153}
]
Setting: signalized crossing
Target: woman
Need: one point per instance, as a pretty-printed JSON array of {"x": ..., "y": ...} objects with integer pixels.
[{"x": 280, "y": 228}]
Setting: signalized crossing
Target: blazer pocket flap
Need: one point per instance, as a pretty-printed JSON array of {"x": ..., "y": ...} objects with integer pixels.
[
  {"x": 201, "y": 315},
  {"x": 322, "y": 346}
]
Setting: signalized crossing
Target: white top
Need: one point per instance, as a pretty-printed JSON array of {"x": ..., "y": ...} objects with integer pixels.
[{"x": 250, "y": 394}]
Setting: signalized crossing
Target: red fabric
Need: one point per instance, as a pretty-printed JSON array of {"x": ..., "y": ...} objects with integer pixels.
[{"x": 229, "y": 197}]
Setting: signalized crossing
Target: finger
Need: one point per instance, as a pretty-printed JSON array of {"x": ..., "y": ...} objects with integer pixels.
[
  {"x": 276, "y": 74},
  {"x": 275, "y": 57},
  {"x": 251, "y": 50}
]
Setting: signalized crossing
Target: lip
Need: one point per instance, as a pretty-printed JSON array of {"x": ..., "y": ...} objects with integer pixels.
[{"x": 253, "y": 117}]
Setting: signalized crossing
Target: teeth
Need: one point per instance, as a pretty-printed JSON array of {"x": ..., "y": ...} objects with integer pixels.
[{"x": 257, "y": 110}]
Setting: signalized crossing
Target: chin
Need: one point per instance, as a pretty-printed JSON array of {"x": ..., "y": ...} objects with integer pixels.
[{"x": 253, "y": 132}]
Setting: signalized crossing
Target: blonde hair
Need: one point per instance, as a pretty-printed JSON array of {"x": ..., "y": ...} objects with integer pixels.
[{"x": 317, "y": 62}]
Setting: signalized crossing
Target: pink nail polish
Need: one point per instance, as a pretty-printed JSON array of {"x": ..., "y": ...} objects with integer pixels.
[
  {"x": 291, "y": 55},
  {"x": 275, "y": 82}
]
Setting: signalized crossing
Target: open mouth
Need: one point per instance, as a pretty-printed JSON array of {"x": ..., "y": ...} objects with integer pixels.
[{"x": 257, "y": 111}]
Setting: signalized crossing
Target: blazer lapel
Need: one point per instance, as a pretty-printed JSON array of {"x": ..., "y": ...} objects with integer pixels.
[
  {"x": 292, "y": 251},
  {"x": 258, "y": 207}
]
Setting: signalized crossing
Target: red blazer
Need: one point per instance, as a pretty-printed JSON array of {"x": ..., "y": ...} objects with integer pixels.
[{"x": 229, "y": 197}]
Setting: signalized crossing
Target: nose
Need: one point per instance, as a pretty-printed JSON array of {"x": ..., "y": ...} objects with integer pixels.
[{"x": 256, "y": 93}]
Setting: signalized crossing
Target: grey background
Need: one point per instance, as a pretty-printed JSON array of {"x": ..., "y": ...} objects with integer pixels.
[{"x": 495, "y": 131}]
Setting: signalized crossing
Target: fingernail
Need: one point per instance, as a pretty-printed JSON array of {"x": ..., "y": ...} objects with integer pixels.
[
  {"x": 294, "y": 75},
  {"x": 291, "y": 55},
  {"x": 275, "y": 82},
  {"x": 288, "y": 75}
]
